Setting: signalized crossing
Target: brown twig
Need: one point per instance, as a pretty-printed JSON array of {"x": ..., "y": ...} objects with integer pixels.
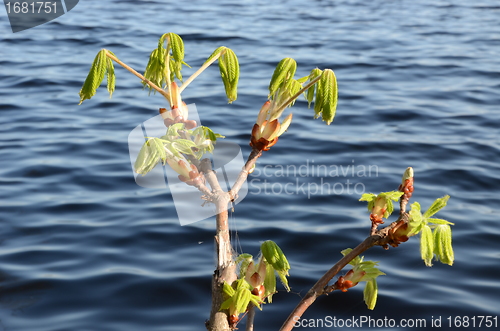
[
  {"x": 242, "y": 177},
  {"x": 250, "y": 318},
  {"x": 381, "y": 238}
]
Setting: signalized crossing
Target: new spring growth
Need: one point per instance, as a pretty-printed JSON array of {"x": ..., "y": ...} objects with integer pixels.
[
  {"x": 172, "y": 149},
  {"x": 362, "y": 271},
  {"x": 284, "y": 89},
  {"x": 381, "y": 206},
  {"x": 238, "y": 297},
  {"x": 256, "y": 280},
  {"x": 435, "y": 233},
  {"x": 407, "y": 183},
  {"x": 261, "y": 275},
  {"x": 265, "y": 131}
]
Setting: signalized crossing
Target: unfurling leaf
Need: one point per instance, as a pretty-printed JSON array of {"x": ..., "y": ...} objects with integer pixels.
[
  {"x": 165, "y": 63},
  {"x": 310, "y": 93},
  {"x": 284, "y": 71},
  {"x": 148, "y": 158},
  {"x": 416, "y": 221},
  {"x": 177, "y": 45},
  {"x": 370, "y": 294},
  {"x": 274, "y": 255},
  {"x": 100, "y": 66},
  {"x": 370, "y": 198},
  {"x": 439, "y": 221},
  {"x": 110, "y": 72},
  {"x": 230, "y": 73},
  {"x": 442, "y": 244},
  {"x": 238, "y": 297},
  {"x": 244, "y": 260},
  {"x": 436, "y": 206},
  {"x": 241, "y": 299},
  {"x": 325, "y": 103},
  {"x": 354, "y": 261},
  {"x": 156, "y": 71},
  {"x": 269, "y": 283},
  {"x": 427, "y": 245}
]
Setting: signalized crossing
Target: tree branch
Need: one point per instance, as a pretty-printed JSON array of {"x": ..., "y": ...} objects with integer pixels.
[
  {"x": 380, "y": 238},
  {"x": 141, "y": 77},
  {"x": 242, "y": 177}
]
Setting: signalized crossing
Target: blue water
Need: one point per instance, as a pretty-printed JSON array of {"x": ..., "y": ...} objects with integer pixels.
[{"x": 83, "y": 248}]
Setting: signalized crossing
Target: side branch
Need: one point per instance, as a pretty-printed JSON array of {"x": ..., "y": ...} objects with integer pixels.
[
  {"x": 242, "y": 177},
  {"x": 381, "y": 238},
  {"x": 141, "y": 77}
]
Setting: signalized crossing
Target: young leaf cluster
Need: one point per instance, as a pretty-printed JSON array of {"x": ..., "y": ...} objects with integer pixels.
[
  {"x": 326, "y": 92},
  {"x": 102, "y": 66},
  {"x": 383, "y": 199},
  {"x": 229, "y": 70},
  {"x": 365, "y": 271},
  {"x": 276, "y": 260},
  {"x": 261, "y": 274},
  {"x": 176, "y": 142},
  {"x": 321, "y": 88},
  {"x": 165, "y": 62},
  {"x": 238, "y": 297},
  {"x": 435, "y": 238}
]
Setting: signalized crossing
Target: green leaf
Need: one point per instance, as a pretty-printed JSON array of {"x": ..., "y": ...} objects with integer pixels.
[
  {"x": 393, "y": 195},
  {"x": 160, "y": 148},
  {"x": 310, "y": 93},
  {"x": 228, "y": 289},
  {"x": 95, "y": 76},
  {"x": 328, "y": 96},
  {"x": 436, "y": 206},
  {"x": 389, "y": 210},
  {"x": 416, "y": 221},
  {"x": 367, "y": 197},
  {"x": 427, "y": 245},
  {"x": 370, "y": 198},
  {"x": 255, "y": 300},
  {"x": 284, "y": 70},
  {"x": 302, "y": 80},
  {"x": 226, "y": 304},
  {"x": 210, "y": 134},
  {"x": 241, "y": 300},
  {"x": 147, "y": 159},
  {"x": 274, "y": 256},
  {"x": 230, "y": 72},
  {"x": 173, "y": 130},
  {"x": 183, "y": 146},
  {"x": 370, "y": 294},
  {"x": 357, "y": 260},
  {"x": 269, "y": 283},
  {"x": 156, "y": 70},
  {"x": 244, "y": 261},
  {"x": 110, "y": 71},
  {"x": 177, "y": 46},
  {"x": 442, "y": 244},
  {"x": 438, "y": 221}
]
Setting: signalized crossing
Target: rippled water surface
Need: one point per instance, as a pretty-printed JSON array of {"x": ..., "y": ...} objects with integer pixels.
[{"x": 82, "y": 247}]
